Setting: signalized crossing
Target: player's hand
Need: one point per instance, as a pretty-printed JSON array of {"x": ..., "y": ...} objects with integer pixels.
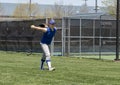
[{"x": 32, "y": 26}]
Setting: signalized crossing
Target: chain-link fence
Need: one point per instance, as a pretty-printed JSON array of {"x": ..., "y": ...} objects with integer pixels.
[
  {"x": 83, "y": 36},
  {"x": 18, "y": 36},
  {"x": 75, "y": 36}
]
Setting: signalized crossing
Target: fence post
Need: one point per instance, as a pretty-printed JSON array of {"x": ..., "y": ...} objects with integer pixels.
[{"x": 80, "y": 50}]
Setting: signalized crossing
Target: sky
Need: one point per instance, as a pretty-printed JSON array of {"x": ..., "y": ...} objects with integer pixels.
[{"x": 52, "y": 2}]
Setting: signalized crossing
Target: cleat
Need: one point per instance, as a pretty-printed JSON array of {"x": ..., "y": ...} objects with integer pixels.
[{"x": 52, "y": 69}]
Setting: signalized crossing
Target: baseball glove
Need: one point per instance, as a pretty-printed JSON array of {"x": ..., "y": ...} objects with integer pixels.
[{"x": 43, "y": 25}]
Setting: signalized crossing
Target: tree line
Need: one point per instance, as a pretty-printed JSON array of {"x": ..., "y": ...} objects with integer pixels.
[
  {"x": 57, "y": 11},
  {"x": 26, "y": 10}
]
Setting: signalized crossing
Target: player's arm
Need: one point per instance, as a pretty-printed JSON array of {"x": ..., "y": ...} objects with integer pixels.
[{"x": 43, "y": 29}]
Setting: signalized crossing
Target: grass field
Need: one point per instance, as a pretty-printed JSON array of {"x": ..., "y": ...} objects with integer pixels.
[{"x": 20, "y": 69}]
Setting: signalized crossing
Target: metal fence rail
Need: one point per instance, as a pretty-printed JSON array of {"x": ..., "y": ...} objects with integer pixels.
[{"x": 88, "y": 36}]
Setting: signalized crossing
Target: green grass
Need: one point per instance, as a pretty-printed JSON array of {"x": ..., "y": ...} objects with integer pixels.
[{"x": 20, "y": 69}]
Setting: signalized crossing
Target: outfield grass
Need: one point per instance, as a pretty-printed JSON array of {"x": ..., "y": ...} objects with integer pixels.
[{"x": 20, "y": 69}]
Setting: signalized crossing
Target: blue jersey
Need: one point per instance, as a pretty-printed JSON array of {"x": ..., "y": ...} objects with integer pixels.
[{"x": 48, "y": 35}]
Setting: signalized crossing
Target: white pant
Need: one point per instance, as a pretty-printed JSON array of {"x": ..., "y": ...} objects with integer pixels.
[{"x": 46, "y": 51}]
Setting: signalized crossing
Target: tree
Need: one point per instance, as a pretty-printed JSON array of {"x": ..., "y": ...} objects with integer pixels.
[
  {"x": 68, "y": 10},
  {"x": 59, "y": 10},
  {"x": 111, "y": 6},
  {"x": 35, "y": 10},
  {"x": 84, "y": 8},
  {"x": 49, "y": 13},
  {"x": 23, "y": 10}
]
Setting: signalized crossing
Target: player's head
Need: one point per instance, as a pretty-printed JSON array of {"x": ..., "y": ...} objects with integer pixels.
[{"x": 52, "y": 23}]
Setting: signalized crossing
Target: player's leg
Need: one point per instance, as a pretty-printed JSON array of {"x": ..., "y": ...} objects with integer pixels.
[
  {"x": 48, "y": 59},
  {"x": 47, "y": 54},
  {"x": 42, "y": 62}
]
